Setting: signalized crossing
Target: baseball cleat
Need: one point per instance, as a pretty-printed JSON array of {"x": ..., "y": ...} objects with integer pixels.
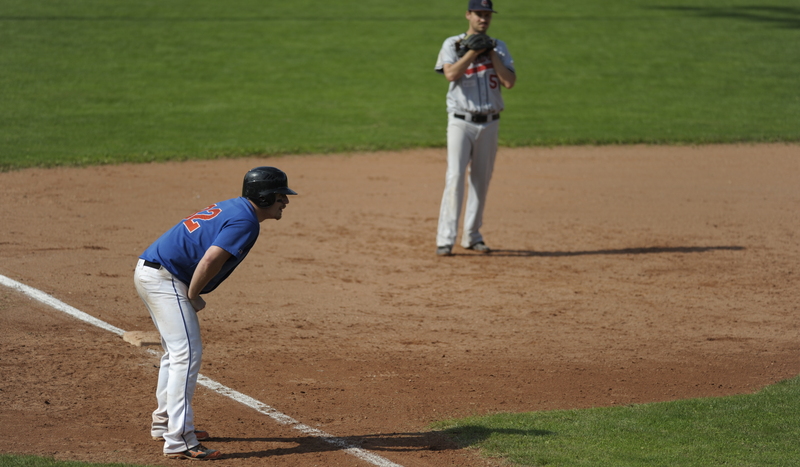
[
  {"x": 444, "y": 251},
  {"x": 480, "y": 247},
  {"x": 197, "y": 453},
  {"x": 201, "y": 435}
]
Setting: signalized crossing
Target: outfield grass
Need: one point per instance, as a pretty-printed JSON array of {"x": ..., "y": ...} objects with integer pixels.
[
  {"x": 90, "y": 81},
  {"x": 747, "y": 430}
]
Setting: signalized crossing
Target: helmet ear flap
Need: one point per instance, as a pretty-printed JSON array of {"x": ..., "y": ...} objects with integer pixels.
[{"x": 267, "y": 201}]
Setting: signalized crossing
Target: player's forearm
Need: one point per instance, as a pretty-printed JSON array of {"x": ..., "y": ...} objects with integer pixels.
[
  {"x": 507, "y": 77},
  {"x": 202, "y": 276},
  {"x": 208, "y": 267},
  {"x": 454, "y": 71}
]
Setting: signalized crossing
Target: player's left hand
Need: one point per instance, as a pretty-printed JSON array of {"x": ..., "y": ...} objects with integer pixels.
[
  {"x": 198, "y": 303},
  {"x": 478, "y": 42}
]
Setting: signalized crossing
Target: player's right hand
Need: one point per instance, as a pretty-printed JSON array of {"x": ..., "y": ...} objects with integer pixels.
[{"x": 198, "y": 303}]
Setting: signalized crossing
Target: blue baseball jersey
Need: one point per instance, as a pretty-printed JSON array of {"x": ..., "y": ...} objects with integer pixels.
[{"x": 231, "y": 225}]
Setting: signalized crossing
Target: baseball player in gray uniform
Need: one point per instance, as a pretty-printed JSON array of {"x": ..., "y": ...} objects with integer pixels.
[{"x": 476, "y": 66}]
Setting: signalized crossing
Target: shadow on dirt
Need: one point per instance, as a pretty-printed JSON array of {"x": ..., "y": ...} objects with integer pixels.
[
  {"x": 450, "y": 439},
  {"x": 621, "y": 251}
]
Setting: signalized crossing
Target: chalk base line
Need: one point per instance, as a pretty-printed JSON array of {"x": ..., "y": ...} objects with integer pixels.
[{"x": 219, "y": 388}]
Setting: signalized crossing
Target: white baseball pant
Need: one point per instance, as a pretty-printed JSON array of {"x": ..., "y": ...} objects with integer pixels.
[
  {"x": 166, "y": 299},
  {"x": 472, "y": 145}
]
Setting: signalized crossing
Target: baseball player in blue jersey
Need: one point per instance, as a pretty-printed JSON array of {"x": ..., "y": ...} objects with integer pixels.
[
  {"x": 190, "y": 259},
  {"x": 476, "y": 66}
]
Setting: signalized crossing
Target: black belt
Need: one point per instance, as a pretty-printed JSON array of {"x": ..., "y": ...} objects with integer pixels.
[
  {"x": 151, "y": 264},
  {"x": 474, "y": 118}
]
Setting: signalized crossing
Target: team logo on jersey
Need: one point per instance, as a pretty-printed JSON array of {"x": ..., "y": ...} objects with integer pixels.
[{"x": 191, "y": 223}]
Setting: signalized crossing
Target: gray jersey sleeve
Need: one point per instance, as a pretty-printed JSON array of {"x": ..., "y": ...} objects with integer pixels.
[{"x": 448, "y": 53}]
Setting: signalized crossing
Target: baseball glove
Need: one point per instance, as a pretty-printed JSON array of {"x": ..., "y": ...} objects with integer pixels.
[{"x": 475, "y": 42}]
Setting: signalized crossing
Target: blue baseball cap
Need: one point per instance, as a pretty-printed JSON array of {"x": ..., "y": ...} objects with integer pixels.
[{"x": 480, "y": 5}]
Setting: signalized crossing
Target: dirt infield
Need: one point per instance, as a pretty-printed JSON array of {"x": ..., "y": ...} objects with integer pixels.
[{"x": 620, "y": 275}]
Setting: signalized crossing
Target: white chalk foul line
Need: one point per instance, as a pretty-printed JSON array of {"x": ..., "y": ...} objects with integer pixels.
[
  {"x": 58, "y": 304},
  {"x": 284, "y": 419},
  {"x": 259, "y": 406}
]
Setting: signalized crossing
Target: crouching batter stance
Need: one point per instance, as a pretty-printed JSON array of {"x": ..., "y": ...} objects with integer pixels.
[
  {"x": 476, "y": 65},
  {"x": 191, "y": 259}
]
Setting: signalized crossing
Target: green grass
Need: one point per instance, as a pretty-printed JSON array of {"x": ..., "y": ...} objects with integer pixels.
[
  {"x": 756, "y": 430},
  {"x": 747, "y": 430},
  {"x": 90, "y": 81},
  {"x": 35, "y": 461}
]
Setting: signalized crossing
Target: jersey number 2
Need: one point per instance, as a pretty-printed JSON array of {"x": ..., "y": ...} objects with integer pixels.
[{"x": 205, "y": 215}]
